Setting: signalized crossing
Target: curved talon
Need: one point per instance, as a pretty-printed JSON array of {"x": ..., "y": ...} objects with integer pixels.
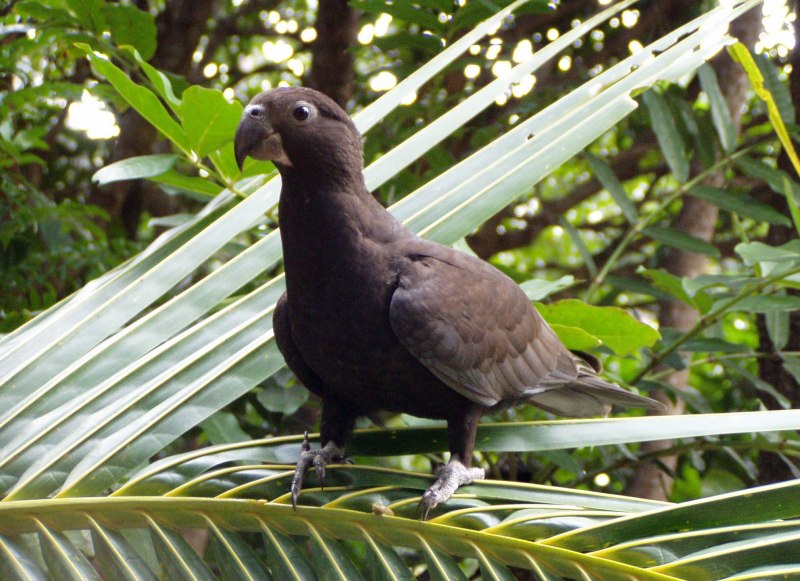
[
  {"x": 449, "y": 478},
  {"x": 319, "y": 459}
]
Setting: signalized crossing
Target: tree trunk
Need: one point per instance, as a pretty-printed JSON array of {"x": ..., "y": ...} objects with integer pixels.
[
  {"x": 697, "y": 218},
  {"x": 332, "y": 65}
]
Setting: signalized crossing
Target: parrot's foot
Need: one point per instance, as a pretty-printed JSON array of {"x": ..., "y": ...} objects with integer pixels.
[
  {"x": 448, "y": 478},
  {"x": 318, "y": 459}
]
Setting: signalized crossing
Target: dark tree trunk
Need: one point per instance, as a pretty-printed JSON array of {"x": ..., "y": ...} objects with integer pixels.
[
  {"x": 180, "y": 26},
  {"x": 697, "y": 218},
  {"x": 772, "y": 468},
  {"x": 332, "y": 65}
]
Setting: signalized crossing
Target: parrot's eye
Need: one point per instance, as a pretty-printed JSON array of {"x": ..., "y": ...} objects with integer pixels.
[{"x": 301, "y": 112}]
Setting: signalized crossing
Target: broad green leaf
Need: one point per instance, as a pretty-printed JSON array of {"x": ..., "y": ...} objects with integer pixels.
[
  {"x": 537, "y": 289},
  {"x": 778, "y": 328},
  {"x": 223, "y": 428},
  {"x": 384, "y": 562},
  {"x": 16, "y": 563},
  {"x": 606, "y": 176},
  {"x": 202, "y": 187},
  {"x": 209, "y": 119},
  {"x": 441, "y": 567},
  {"x": 617, "y": 329},
  {"x": 776, "y": 179},
  {"x": 39, "y": 11},
  {"x": 720, "y": 113},
  {"x": 577, "y": 240},
  {"x": 285, "y": 558},
  {"x": 666, "y": 130},
  {"x": 283, "y": 399},
  {"x": 741, "y": 204},
  {"x": 90, "y": 13},
  {"x": 491, "y": 570},
  {"x": 765, "y": 304},
  {"x": 64, "y": 560},
  {"x": 778, "y": 90},
  {"x": 574, "y": 338},
  {"x": 669, "y": 283},
  {"x": 132, "y": 168},
  {"x": 131, "y": 26},
  {"x": 680, "y": 240},
  {"x": 755, "y": 252},
  {"x": 161, "y": 82},
  {"x": 176, "y": 555},
  {"x": 405, "y": 11},
  {"x": 116, "y": 557},
  {"x": 140, "y": 98},
  {"x": 331, "y": 561},
  {"x": 235, "y": 558}
]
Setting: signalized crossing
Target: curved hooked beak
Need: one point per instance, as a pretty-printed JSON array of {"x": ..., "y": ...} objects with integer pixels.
[{"x": 257, "y": 138}]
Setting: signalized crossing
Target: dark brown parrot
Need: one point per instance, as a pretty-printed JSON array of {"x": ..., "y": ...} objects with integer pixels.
[{"x": 375, "y": 318}]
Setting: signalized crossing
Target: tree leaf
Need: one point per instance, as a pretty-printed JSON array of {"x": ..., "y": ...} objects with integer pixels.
[
  {"x": 223, "y": 428},
  {"x": 133, "y": 168},
  {"x": 741, "y": 204},
  {"x": 755, "y": 252},
  {"x": 537, "y": 289},
  {"x": 131, "y": 26},
  {"x": 202, "y": 187},
  {"x": 606, "y": 176},
  {"x": 779, "y": 91},
  {"x": 613, "y": 326},
  {"x": 575, "y": 338},
  {"x": 667, "y": 135},
  {"x": 209, "y": 119},
  {"x": 765, "y": 304},
  {"x": 680, "y": 240},
  {"x": 90, "y": 13},
  {"x": 140, "y": 98},
  {"x": 720, "y": 113}
]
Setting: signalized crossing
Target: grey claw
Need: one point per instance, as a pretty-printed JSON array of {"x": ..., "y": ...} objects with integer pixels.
[
  {"x": 319, "y": 459},
  {"x": 449, "y": 478}
]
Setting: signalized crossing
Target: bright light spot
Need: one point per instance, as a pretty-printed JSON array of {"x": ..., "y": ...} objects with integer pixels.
[
  {"x": 382, "y": 24},
  {"x": 523, "y": 51},
  {"x": 501, "y": 68},
  {"x": 604, "y": 2},
  {"x": 524, "y": 86},
  {"x": 614, "y": 22},
  {"x": 778, "y": 27},
  {"x": 501, "y": 100},
  {"x": 282, "y": 27},
  {"x": 564, "y": 63},
  {"x": 91, "y": 116},
  {"x": 635, "y": 47},
  {"x": 471, "y": 71},
  {"x": 475, "y": 49},
  {"x": 274, "y": 17},
  {"x": 594, "y": 216},
  {"x": 383, "y": 81},
  {"x": 291, "y": 26},
  {"x": 558, "y": 231},
  {"x": 209, "y": 70},
  {"x": 493, "y": 51},
  {"x": 266, "y": 85},
  {"x": 296, "y": 67},
  {"x": 237, "y": 3},
  {"x": 197, "y": 56},
  {"x": 512, "y": 119},
  {"x": 409, "y": 99},
  {"x": 203, "y": 173},
  {"x": 277, "y": 51},
  {"x": 229, "y": 94},
  {"x": 552, "y": 34},
  {"x": 495, "y": 40},
  {"x": 444, "y": 18},
  {"x": 31, "y": 33},
  {"x": 597, "y": 35},
  {"x": 602, "y": 480},
  {"x": 629, "y": 18},
  {"x": 740, "y": 324},
  {"x": 308, "y": 35},
  {"x": 366, "y": 34}
]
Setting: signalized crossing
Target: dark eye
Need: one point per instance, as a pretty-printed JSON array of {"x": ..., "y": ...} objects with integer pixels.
[{"x": 301, "y": 112}]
